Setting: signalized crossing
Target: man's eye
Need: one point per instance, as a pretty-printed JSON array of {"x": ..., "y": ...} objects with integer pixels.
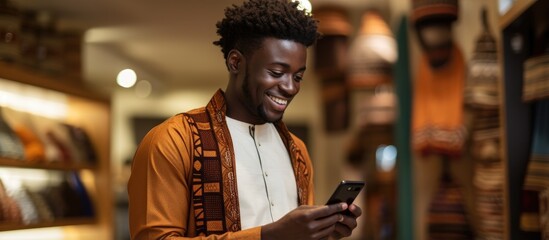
[
  {"x": 276, "y": 74},
  {"x": 298, "y": 78}
]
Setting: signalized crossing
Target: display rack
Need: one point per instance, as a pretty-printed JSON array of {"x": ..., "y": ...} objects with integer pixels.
[
  {"x": 516, "y": 115},
  {"x": 91, "y": 112}
]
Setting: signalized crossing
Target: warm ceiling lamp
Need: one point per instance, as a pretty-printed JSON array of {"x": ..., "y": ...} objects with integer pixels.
[
  {"x": 304, "y": 5},
  {"x": 126, "y": 78}
]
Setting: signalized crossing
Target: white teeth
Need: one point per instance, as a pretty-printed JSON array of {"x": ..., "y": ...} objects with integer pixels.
[{"x": 278, "y": 100}]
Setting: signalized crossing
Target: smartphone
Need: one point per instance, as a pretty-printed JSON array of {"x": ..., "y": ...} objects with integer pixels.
[{"x": 346, "y": 191}]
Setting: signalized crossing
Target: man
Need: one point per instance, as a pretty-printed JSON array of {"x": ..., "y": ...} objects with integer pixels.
[{"x": 232, "y": 170}]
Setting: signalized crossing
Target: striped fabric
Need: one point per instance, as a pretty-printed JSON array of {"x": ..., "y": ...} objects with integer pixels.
[
  {"x": 10, "y": 144},
  {"x": 428, "y": 9},
  {"x": 484, "y": 71},
  {"x": 214, "y": 194},
  {"x": 537, "y": 175},
  {"x": 536, "y": 78},
  {"x": 437, "y": 119},
  {"x": 482, "y": 96},
  {"x": 447, "y": 217}
]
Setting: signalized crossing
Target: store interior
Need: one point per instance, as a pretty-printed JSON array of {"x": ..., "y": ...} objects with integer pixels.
[{"x": 69, "y": 126}]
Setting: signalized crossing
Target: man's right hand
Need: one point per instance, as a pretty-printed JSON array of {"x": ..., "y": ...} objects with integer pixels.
[{"x": 305, "y": 222}]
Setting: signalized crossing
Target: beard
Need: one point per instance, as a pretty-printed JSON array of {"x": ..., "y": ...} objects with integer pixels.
[{"x": 260, "y": 109}]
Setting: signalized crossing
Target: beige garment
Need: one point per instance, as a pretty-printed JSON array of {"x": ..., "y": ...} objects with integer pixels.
[{"x": 159, "y": 189}]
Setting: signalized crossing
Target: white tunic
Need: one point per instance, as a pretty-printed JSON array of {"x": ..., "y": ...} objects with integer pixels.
[{"x": 265, "y": 178}]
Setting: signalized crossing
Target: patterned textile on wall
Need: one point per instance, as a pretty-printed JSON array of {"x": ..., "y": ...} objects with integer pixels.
[
  {"x": 536, "y": 78},
  {"x": 484, "y": 71},
  {"x": 434, "y": 9},
  {"x": 482, "y": 96},
  {"x": 330, "y": 64},
  {"x": 537, "y": 175},
  {"x": 447, "y": 216},
  {"x": 330, "y": 52},
  {"x": 544, "y": 213},
  {"x": 488, "y": 174},
  {"x": 536, "y": 68},
  {"x": 437, "y": 113}
]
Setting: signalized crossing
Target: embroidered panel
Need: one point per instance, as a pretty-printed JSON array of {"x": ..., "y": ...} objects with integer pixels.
[{"x": 207, "y": 195}]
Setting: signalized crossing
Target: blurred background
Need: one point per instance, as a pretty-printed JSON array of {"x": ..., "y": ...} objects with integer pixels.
[{"x": 438, "y": 105}]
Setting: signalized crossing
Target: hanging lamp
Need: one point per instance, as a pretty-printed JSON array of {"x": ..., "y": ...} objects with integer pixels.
[{"x": 372, "y": 53}]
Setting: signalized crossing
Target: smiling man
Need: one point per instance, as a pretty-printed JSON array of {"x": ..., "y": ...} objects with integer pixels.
[{"x": 231, "y": 169}]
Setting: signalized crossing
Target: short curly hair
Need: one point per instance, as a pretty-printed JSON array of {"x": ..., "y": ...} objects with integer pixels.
[{"x": 244, "y": 27}]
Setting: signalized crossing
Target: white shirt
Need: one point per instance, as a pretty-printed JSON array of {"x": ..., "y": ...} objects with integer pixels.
[{"x": 264, "y": 174}]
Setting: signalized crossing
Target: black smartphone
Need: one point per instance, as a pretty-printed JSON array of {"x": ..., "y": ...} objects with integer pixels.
[{"x": 346, "y": 191}]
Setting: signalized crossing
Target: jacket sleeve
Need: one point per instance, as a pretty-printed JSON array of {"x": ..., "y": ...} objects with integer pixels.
[{"x": 159, "y": 187}]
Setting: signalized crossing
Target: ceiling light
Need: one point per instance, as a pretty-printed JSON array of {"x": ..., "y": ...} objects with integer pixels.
[
  {"x": 126, "y": 78},
  {"x": 304, "y": 5}
]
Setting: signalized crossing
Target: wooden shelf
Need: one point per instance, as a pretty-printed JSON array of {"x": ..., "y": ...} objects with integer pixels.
[
  {"x": 30, "y": 76},
  {"x": 55, "y": 223},
  {"x": 518, "y": 7},
  {"x": 91, "y": 111},
  {"x": 6, "y": 162}
]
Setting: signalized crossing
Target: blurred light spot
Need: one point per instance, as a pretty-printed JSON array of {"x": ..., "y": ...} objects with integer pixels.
[
  {"x": 33, "y": 100},
  {"x": 126, "y": 78},
  {"x": 143, "y": 88},
  {"x": 386, "y": 157},
  {"x": 32, "y": 234},
  {"x": 304, "y": 5}
]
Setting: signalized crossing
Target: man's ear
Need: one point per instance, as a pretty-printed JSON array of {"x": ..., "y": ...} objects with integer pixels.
[{"x": 234, "y": 60}]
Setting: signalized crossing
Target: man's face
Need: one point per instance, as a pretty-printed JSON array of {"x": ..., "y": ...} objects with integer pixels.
[{"x": 269, "y": 81}]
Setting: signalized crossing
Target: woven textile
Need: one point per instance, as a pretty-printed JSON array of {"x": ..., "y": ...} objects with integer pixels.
[
  {"x": 10, "y": 144},
  {"x": 429, "y": 9},
  {"x": 20, "y": 124},
  {"x": 484, "y": 71},
  {"x": 447, "y": 217},
  {"x": 330, "y": 51},
  {"x": 537, "y": 175},
  {"x": 485, "y": 135},
  {"x": 379, "y": 108},
  {"x": 34, "y": 149},
  {"x": 333, "y": 20},
  {"x": 9, "y": 209},
  {"x": 536, "y": 78},
  {"x": 482, "y": 95},
  {"x": 20, "y": 195},
  {"x": 437, "y": 117},
  {"x": 544, "y": 213},
  {"x": 214, "y": 193}
]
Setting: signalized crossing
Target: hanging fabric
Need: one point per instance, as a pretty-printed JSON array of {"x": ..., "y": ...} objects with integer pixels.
[
  {"x": 447, "y": 216},
  {"x": 437, "y": 119},
  {"x": 482, "y": 91},
  {"x": 537, "y": 174},
  {"x": 330, "y": 51}
]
